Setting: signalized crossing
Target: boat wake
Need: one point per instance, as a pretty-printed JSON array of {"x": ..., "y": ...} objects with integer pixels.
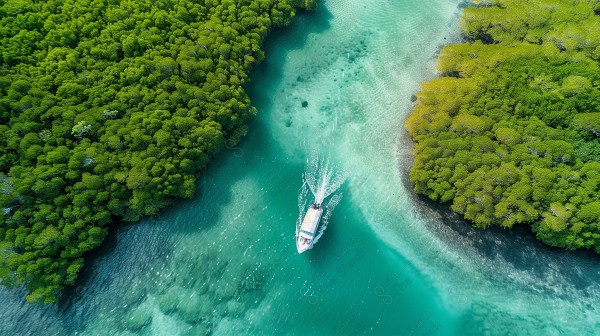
[
  {"x": 320, "y": 181},
  {"x": 321, "y": 178}
]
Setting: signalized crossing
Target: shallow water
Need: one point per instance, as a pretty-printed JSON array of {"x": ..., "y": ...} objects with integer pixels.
[{"x": 339, "y": 80}]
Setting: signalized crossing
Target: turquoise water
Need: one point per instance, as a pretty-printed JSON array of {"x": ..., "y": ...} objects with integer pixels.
[{"x": 388, "y": 264}]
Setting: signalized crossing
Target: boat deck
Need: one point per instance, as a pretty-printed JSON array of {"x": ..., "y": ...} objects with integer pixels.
[
  {"x": 311, "y": 221},
  {"x": 307, "y": 231}
]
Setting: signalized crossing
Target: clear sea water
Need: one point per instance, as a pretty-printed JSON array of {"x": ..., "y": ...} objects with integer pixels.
[{"x": 389, "y": 263}]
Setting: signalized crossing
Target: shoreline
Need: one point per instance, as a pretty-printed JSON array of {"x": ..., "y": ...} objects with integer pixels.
[{"x": 512, "y": 258}]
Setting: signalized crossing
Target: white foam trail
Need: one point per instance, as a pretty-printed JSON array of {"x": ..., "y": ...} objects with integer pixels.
[
  {"x": 323, "y": 181},
  {"x": 302, "y": 204},
  {"x": 321, "y": 178},
  {"x": 331, "y": 204}
]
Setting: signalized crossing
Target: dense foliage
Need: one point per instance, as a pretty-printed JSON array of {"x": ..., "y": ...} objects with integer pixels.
[
  {"x": 108, "y": 109},
  {"x": 510, "y": 134}
]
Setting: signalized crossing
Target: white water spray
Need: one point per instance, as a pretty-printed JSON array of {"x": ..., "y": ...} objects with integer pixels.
[{"x": 322, "y": 180}]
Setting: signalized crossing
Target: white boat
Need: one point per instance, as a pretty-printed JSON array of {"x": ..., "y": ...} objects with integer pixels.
[{"x": 308, "y": 230}]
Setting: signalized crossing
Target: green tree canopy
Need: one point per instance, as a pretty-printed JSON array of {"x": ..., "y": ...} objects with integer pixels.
[
  {"x": 510, "y": 133},
  {"x": 109, "y": 109}
]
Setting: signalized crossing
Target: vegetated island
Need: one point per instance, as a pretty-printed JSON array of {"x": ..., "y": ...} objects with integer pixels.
[
  {"x": 108, "y": 109},
  {"x": 510, "y": 132}
]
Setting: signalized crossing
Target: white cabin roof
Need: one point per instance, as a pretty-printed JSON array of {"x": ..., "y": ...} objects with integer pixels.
[{"x": 311, "y": 220}]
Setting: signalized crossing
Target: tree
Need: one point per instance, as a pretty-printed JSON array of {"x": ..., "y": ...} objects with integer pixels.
[
  {"x": 509, "y": 134},
  {"x": 110, "y": 109}
]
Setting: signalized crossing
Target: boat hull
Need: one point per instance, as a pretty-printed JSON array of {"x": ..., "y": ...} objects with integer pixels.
[
  {"x": 307, "y": 232},
  {"x": 301, "y": 247}
]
